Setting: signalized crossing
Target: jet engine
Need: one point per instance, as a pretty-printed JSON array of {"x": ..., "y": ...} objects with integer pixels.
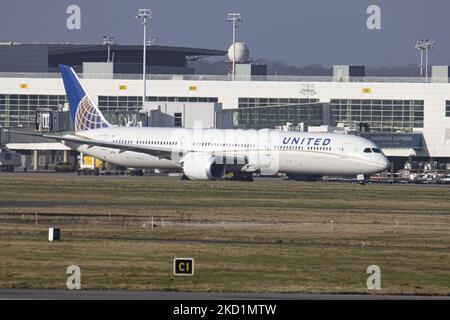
[{"x": 201, "y": 166}]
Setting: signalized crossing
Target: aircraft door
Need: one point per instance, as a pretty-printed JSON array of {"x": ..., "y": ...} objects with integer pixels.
[{"x": 269, "y": 158}]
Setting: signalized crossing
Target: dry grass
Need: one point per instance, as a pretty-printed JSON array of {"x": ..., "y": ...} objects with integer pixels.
[{"x": 267, "y": 236}]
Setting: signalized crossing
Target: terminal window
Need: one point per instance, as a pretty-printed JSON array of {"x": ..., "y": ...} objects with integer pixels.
[
  {"x": 183, "y": 99},
  {"x": 273, "y": 116},
  {"x": 252, "y": 102},
  {"x": 19, "y": 110},
  {"x": 125, "y": 118},
  {"x": 178, "y": 119},
  {"x": 381, "y": 115},
  {"x": 119, "y": 103},
  {"x": 134, "y": 103}
]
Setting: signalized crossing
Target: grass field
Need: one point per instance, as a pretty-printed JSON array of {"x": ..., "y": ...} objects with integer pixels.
[{"x": 266, "y": 236}]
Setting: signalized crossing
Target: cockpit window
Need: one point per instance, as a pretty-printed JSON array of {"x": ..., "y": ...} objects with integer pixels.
[
  {"x": 376, "y": 150},
  {"x": 367, "y": 150}
]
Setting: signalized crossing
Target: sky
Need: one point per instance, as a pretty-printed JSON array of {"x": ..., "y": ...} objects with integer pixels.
[{"x": 297, "y": 32}]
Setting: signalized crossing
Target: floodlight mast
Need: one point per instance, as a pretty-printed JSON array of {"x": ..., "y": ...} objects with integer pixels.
[
  {"x": 143, "y": 15},
  {"x": 108, "y": 40},
  {"x": 234, "y": 18},
  {"x": 421, "y": 63},
  {"x": 152, "y": 42},
  {"x": 429, "y": 45},
  {"x": 424, "y": 45},
  {"x": 419, "y": 46}
]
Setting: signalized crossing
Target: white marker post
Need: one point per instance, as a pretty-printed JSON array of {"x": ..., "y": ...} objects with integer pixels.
[{"x": 396, "y": 225}]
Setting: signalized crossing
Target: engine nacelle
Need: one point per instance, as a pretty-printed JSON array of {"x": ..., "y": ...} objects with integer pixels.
[{"x": 200, "y": 166}]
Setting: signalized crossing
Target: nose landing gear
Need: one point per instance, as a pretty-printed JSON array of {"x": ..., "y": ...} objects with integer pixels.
[{"x": 361, "y": 180}]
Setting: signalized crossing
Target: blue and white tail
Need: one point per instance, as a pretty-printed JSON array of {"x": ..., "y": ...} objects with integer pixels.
[{"x": 85, "y": 113}]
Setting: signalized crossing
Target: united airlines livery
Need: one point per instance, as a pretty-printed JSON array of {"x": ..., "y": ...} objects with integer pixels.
[{"x": 207, "y": 154}]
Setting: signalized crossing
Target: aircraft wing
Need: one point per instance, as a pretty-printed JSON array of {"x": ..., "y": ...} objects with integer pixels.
[
  {"x": 156, "y": 151},
  {"x": 160, "y": 152}
]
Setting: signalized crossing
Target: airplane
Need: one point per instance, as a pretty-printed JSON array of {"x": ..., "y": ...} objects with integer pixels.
[{"x": 208, "y": 154}]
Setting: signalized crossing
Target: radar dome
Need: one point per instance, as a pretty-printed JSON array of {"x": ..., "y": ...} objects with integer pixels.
[{"x": 241, "y": 51}]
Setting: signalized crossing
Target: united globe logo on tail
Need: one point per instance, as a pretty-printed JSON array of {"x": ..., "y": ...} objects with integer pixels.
[{"x": 88, "y": 117}]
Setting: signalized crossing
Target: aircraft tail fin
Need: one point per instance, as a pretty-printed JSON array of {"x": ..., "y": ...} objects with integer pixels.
[{"x": 85, "y": 113}]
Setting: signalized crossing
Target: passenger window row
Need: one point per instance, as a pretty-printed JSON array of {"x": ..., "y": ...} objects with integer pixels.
[
  {"x": 237, "y": 145},
  {"x": 203, "y": 144}
]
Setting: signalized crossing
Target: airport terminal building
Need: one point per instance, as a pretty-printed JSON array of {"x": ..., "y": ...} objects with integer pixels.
[{"x": 408, "y": 117}]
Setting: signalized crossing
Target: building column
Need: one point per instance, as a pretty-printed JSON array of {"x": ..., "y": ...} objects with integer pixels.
[
  {"x": 65, "y": 156},
  {"x": 35, "y": 159}
]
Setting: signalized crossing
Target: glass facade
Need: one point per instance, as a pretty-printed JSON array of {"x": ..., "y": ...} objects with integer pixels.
[
  {"x": 270, "y": 117},
  {"x": 125, "y": 118},
  {"x": 259, "y": 113},
  {"x": 264, "y": 102},
  {"x": 119, "y": 103},
  {"x": 381, "y": 115},
  {"x": 134, "y": 103},
  {"x": 124, "y": 110},
  {"x": 19, "y": 110},
  {"x": 183, "y": 99}
]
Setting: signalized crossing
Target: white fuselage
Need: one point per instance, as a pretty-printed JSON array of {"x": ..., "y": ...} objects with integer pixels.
[{"x": 265, "y": 151}]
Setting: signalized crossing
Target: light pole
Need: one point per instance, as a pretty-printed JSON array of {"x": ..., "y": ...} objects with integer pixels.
[
  {"x": 419, "y": 46},
  {"x": 429, "y": 45},
  {"x": 143, "y": 15},
  {"x": 107, "y": 40},
  {"x": 424, "y": 45},
  {"x": 234, "y": 18}
]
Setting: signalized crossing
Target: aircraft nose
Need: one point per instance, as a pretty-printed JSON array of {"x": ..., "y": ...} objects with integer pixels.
[{"x": 384, "y": 163}]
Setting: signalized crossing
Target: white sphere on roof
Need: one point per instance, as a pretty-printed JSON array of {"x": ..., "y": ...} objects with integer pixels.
[{"x": 241, "y": 51}]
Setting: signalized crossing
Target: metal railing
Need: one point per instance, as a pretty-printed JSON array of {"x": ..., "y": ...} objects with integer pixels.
[{"x": 200, "y": 77}]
